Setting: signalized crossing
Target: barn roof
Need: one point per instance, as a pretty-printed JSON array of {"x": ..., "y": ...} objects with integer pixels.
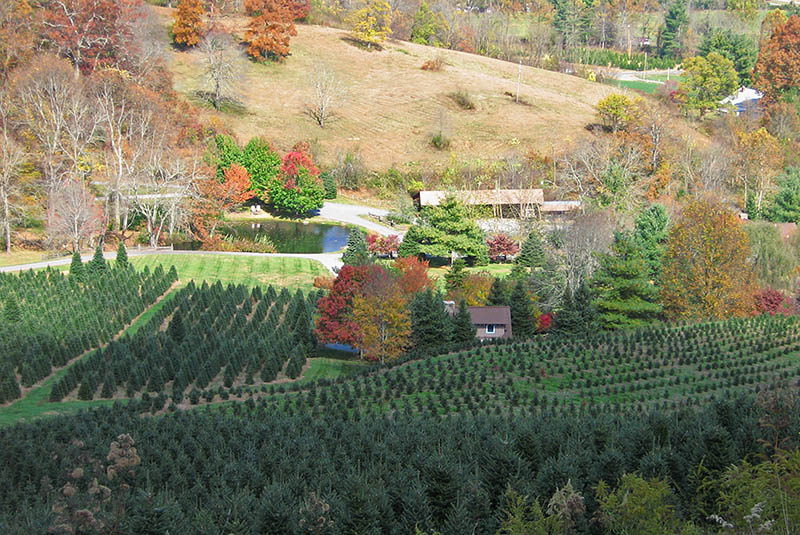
[{"x": 484, "y": 196}]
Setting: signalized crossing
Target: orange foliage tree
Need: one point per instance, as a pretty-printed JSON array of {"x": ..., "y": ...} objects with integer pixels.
[
  {"x": 706, "y": 274},
  {"x": 383, "y": 318},
  {"x": 187, "y": 30},
  {"x": 217, "y": 197},
  {"x": 270, "y": 29},
  {"x": 778, "y": 67},
  {"x": 412, "y": 275}
]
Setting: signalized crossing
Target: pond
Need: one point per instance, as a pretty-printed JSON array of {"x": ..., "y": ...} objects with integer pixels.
[{"x": 293, "y": 237}]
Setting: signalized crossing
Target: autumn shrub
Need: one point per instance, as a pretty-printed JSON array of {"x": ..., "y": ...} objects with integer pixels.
[
  {"x": 463, "y": 99},
  {"x": 434, "y": 64},
  {"x": 770, "y": 301}
]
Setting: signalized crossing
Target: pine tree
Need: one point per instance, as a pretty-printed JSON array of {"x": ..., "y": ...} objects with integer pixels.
[
  {"x": 122, "y": 256},
  {"x": 97, "y": 265},
  {"x": 463, "y": 329},
  {"x": 76, "y": 269},
  {"x": 11, "y": 310},
  {"x": 521, "y": 313},
  {"x": 625, "y": 297},
  {"x": 176, "y": 328},
  {"x": 356, "y": 253}
]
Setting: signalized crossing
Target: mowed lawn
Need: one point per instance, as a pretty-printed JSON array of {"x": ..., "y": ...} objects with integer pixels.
[{"x": 292, "y": 273}]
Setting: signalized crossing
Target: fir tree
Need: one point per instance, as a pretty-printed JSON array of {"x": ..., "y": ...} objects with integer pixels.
[
  {"x": 430, "y": 324},
  {"x": 122, "y": 256},
  {"x": 176, "y": 328},
  {"x": 675, "y": 22},
  {"x": 85, "y": 392},
  {"x": 521, "y": 313},
  {"x": 500, "y": 293},
  {"x": 11, "y": 311},
  {"x": 454, "y": 278},
  {"x": 625, "y": 297},
  {"x": 577, "y": 315},
  {"x": 463, "y": 329},
  {"x": 76, "y": 269},
  {"x": 97, "y": 264},
  {"x": 356, "y": 253},
  {"x": 531, "y": 257},
  {"x": 109, "y": 386}
]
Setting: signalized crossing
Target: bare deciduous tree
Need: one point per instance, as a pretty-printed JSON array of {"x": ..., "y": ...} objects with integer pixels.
[
  {"x": 162, "y": 195},
  {"x": 223, "y": 65},
  {"x": 131, "y": 121},
  {"x": 327, "y": 91},
  {"x": 589, "y": 234},
  {"x": 11, "y": 159},
  {"x": 75, "y": 214}
]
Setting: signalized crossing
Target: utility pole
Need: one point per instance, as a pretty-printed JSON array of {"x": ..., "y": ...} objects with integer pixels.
[{"x": 519, "y": 79}]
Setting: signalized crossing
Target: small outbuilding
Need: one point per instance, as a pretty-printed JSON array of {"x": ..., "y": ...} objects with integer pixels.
[{"x": 489, "y": 322}]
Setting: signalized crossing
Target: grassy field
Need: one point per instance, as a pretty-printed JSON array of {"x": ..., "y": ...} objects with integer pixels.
[
  {"x": 332, "y": 368},
  {"x": 292, "y": 273},
  {"x": 497, "y": 270},
  {"x": 20, "y": 257},
  {"x": 392, "y": 106}
]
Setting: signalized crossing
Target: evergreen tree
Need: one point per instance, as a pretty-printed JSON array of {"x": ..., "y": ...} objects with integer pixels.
[
  {"x": 624, "y": 295},
  {"x": 176, "y": 329},
  {"x": 531, "y": 258},
  {"x": 430, "y": 324},
  {"x": 76, "y": 269},
  {"x": 11, "y": 311},
  {"x": 500, "y": 293},
  {"x": 109, "y": 386},
  {"x": 650, "y": 234},
  {"x": 85, "y": 392},
  {"x": 521, "y": 312},
  {"x": 577, "y": 315},
  {"x": 97, "y": 264},
  {"x": 675, "y": 22},
  {"x": 356, "y": 253},
  {"x": 122, "y": 256},
  {"x": 454, "y": 278},
  {"x": 463, "y": 329}
]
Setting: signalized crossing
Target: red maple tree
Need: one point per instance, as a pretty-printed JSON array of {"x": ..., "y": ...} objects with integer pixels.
[
  {"x": 334, "y": 325},
  {"x": 501, "y": 246}
]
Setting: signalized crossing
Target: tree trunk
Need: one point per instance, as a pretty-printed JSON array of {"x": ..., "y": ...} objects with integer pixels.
[{"x": 6, "y": 223}]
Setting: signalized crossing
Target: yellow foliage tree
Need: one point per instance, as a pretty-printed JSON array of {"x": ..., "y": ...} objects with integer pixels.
[
  {"x": 618, "y": 111},
  {"x": 373, "y": 22},
  {"x": 759, "y": 158},
  {"x": 706, "y": 274},
  {"x": 384, "y": 324}
]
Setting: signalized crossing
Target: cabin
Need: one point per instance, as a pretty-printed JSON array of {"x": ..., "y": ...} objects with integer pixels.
[
  {"x": 505, "y": 203},
  {"x": 489, "y": 322}
]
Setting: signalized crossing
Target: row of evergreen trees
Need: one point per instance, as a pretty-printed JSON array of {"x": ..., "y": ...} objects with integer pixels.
[
  {"x": 50, "y": 318},
  {"x": 245, "y": 469},
  {"x": 211, "y": 331}
]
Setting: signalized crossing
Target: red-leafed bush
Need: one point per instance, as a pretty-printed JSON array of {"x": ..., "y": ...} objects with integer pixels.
[
  {"x": 501, "y": 247},
  {"x": 769, "y": 301}
]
